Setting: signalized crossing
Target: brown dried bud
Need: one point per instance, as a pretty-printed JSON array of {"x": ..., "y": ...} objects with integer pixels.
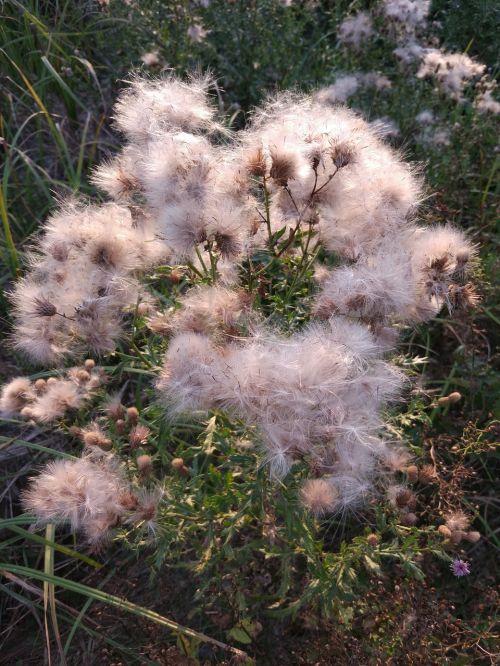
[
  {"x": 283, "y": 167},
  {"x": 444, "y": 531},
  {"x": 454, "y": 397},
  {"x": 82, "y": 376},
  {"x": 95, "y": 437},
  {"x": 179, "y": 466},
  {"x": 342, "y": 154},
  {"x": 144, "y": 465},
  {"x": 132, "y": 414},
  {"x": 372, "y": 539},
  {"x": 128, "y": 500},
  {"x": 89, "y": 364},
  {"x": 51, "y": 381},
  {"x": 412, "y": 473},
  {"x": 443, "y": 401},
  {"x": 404, "y": 497},
  {"x": 427, "y": 475}
]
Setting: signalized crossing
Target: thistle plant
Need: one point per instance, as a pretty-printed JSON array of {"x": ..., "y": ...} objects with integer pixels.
[{"x": 309, "y": 192}]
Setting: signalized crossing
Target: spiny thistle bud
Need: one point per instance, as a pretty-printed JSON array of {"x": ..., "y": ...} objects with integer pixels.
[
  {"x": 342, "y": 154},
  {"x": 427, "y": 475},
  {"x": 132, "y": 414},
  {"x": 412, "y": 473},
  {"x": 372, "y": 539},
  {"x": 444, "y": 531},
  {"x": 44, "y": 308},
  {"x": 473, "y": 537}
]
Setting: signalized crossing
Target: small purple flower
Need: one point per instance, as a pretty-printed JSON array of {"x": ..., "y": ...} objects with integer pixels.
[{"x": 460, "y": 567}]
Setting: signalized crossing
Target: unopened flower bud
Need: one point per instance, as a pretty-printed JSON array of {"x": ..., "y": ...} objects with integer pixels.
[
  {"x": 454, "y": 397},
  {"x": 89, "y": 364},
  {"x": 372, "y": 539},
  {"x": 443, "y": 401}
]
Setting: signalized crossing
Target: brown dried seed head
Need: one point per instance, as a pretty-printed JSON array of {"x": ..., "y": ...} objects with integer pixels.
[
  {"x": 372, "y": 539},
  {"x": 138, "y": 436},
  {"x": 256, "y": 163},
  {"x": 283, "y": 167},
  {"x": 427, "y": 475},
  {"x": 44, "y": 308},
  {"x": 89, "y": 364}
]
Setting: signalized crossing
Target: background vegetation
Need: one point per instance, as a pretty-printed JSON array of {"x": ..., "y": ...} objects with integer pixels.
[{"x": 235, "y": 558}]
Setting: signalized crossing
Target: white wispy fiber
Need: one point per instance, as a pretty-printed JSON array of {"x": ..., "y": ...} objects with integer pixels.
[
  {"x": 82, "y": 279},
  {"x": 47, "y": 400},
  {"x": 344, "y": 87},
  {"x": 314, "y": 395},
  {"x": 408, "y": 279},
  {"x": 452, "y": 71},
  {"x": 408, "y": 14},
  {"x": 356, "y": 30},
  {"x": 91, "y": 494},
  {"x": 342, "y": 177}
]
